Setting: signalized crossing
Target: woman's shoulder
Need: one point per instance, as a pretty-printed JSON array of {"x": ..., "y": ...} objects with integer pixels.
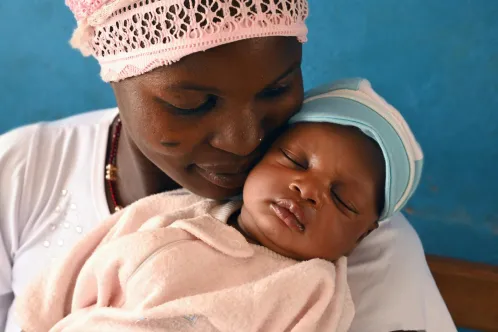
[
  {"x": 22, "y": 135},
  {"x": 18, "y": 145},
  {"x": 39, "y": 160},
  {"x": 101, "y": 117}
]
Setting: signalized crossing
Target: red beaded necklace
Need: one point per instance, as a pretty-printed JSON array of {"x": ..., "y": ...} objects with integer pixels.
[{"x": 111, "y": 170}]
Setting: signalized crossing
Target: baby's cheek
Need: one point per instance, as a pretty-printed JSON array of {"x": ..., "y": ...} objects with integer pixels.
[
  {"x": 332, "y": 244},
  {"x": 261, "y": 179}
]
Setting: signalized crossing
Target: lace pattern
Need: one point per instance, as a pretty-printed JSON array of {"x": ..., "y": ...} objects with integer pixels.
[{"x": 142, "y": 35}]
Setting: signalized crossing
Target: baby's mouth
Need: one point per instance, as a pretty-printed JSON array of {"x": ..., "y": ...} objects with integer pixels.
[{"x": 290, "y": 213}]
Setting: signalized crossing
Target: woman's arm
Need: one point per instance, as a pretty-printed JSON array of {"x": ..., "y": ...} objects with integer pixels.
[
  {"x": 391, "y": 284},
  {"x": 91, "y": 272},
  {"x": 6, "y": 295},
  {"x": 14, "y": 147},
  {"x": 48, "y": 299}
]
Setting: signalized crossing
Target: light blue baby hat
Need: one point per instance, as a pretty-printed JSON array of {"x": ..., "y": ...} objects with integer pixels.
[{"x": 353, "y": 102}]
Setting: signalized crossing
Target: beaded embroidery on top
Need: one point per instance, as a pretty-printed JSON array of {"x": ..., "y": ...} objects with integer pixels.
[{"x": 130, "y": 37}]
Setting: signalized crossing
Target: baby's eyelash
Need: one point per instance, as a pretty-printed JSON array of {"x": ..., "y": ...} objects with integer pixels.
[
  {"x": 291, "y": 159},
  {"x": 339, "y": 199}
]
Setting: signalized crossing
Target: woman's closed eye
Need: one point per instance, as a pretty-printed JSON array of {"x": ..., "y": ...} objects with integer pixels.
[
  {"x": 294, "y": 160},
  {"x": 274, "y": 92},
  {"x": 283, "y": 85},
  {"x": 205, "y": 107}
]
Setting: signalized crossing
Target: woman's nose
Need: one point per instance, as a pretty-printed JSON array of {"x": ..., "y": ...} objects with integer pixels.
[
  {"x": 239, "y": 133},
  {"x": 309, "y": 191}
]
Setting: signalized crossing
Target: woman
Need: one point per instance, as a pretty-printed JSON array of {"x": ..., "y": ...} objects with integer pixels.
[{"x": 199, "y": 84}]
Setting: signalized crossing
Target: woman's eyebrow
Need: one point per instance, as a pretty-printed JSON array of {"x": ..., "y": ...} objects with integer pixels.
[
  {"x": 201, "y": 88},
  {"x": 286, "y": 73},
  {"x": 192, "y": 87}
]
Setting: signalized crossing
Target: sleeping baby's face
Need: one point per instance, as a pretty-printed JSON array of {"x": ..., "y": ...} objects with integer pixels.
[{"x": 316, "y": 193}]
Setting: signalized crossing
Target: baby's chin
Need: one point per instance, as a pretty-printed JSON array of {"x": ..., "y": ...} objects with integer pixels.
[
  {"x": 265, "y": 236},
  {"x": 288, "y": 254},
  {"x": 268, "y": 237}
]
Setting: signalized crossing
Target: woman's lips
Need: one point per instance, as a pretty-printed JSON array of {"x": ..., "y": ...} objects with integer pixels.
[
  {"x": 224, "y": 180},
  {"x": 290, "y": 213}
]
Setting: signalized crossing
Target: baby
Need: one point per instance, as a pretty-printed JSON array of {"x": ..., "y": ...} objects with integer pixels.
[{"x": 276, "y": 263}]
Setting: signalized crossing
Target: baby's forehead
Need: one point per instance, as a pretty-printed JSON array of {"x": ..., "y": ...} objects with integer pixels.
[
  {"x": 335, "y": 144},
  {"x": 304, "y": 131}
]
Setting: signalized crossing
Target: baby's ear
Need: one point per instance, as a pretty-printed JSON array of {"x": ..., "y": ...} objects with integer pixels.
[{"x": 372, "y": 228}]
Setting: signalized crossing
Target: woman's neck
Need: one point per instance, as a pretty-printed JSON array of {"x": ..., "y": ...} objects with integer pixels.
[{"x": 137, "y": 177}]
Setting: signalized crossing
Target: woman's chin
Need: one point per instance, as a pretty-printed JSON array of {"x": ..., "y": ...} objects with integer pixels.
[{"x": 214, "y": 192}]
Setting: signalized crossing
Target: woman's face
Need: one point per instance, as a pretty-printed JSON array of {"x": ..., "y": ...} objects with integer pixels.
[{"x": 201, "y": 120}]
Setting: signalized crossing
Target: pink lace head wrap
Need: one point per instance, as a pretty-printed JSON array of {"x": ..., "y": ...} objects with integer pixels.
[{"x": 132, "y": 37}]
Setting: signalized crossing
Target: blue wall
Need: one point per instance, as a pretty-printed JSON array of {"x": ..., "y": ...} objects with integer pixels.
[{"x": 437, "y": 61}]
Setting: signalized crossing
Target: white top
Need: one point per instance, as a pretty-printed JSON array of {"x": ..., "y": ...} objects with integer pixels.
[{"x": 52, "y": 192}]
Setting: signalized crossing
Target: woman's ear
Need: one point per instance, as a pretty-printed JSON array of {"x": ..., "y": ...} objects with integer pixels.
[{"x": 372, "y": 228}]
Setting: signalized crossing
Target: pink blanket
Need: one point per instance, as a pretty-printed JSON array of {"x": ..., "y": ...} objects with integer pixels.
[{"x": 170, "y": 263}]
